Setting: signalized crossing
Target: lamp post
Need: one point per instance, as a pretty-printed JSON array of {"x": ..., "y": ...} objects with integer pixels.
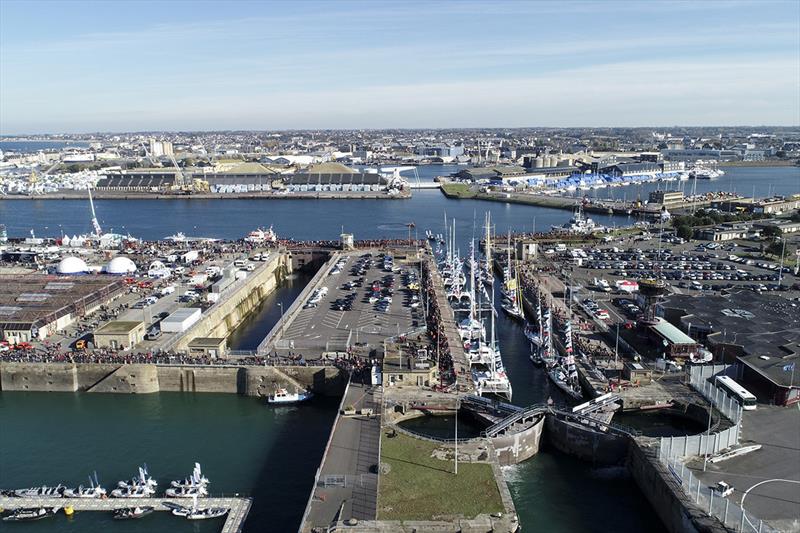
[{"x": 280, "y": 328}]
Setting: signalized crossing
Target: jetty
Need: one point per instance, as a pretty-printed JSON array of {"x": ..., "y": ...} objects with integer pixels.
[{"x": 234, "y": 520}]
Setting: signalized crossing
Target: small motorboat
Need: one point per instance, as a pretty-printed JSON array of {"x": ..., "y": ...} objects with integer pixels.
[
  {"x": 187, "y": 492},
  {"x": 205, "y": 514},
  {"x": 136, "y": 491},
  {"x": 196, "y": 479},
  {"x": 41, "y": 492},
  {"x": 29, "y": 515},
  {"x": 132, "y": 513},
  {"x": 282, "y": 396},
  {"x": 94, "y": 490}
]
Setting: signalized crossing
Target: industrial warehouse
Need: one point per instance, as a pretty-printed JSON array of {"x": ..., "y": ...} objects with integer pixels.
[{"x": 34, "y": 307}]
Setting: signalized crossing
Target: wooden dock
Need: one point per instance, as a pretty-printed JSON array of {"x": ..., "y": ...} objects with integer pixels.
[{"x": 234, "y": 520}]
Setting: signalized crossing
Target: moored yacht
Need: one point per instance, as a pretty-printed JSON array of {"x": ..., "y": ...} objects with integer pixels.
[{"x": 261, "y": 235}]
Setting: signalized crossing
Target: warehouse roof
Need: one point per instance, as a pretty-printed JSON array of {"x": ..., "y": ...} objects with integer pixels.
[{"x": 672, "y": 334}]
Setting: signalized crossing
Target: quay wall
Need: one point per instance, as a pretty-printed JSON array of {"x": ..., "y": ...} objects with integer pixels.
[
  {"x": 148, "y": 378},
  {"x": 677, "y": 511},
  {"x": 585, "y": 443},
  {"x": 224, "y": 316},
  {"x": 517, "y": 446}
]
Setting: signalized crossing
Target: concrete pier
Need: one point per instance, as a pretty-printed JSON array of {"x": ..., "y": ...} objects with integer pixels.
[
  {"x": 346, "y": 484},
  {"x": 234, "y": 520}
]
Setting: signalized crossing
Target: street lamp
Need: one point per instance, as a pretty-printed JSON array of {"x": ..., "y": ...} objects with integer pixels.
[{"x": 280, "y": 327}]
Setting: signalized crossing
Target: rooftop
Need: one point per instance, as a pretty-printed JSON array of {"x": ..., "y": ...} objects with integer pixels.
[
  {"x": 766, "y": 326},
  {"x": 117, "y": 327},
  {"x": 37, "y": 300},
  {"x": 672, "y": 334}
]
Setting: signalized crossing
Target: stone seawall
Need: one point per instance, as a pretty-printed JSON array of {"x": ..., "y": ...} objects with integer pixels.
[
  {"x": 675, "y": 509},
  {"x": 223, "y": 317},
  {"x": 517, "y": 446},
  {"x": 245, "y": 380},
  {"x": 585, "y": 443}
]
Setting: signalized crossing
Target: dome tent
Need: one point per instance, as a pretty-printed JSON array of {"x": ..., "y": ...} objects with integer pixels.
[
  {"x": 72, "y": 265},
  {"x": 120, "y": 265}
]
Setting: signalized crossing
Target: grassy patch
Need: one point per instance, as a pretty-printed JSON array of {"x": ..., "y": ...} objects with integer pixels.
[
  {"x": 458, "y": 190},
  {"x": 419, "y": 487}
]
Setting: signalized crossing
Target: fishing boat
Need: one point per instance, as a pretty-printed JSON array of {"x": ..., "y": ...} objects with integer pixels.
[
  {"x": 132, "y": 513},
  {"x": 261, "y": 235},
  {"x": 94, "y": 490},
  {"x": 41, "y": 492},
  {"x": 197, "y": 478},
  {"x": 29, "y": 515},
  {"x": 283, "y": 396}
]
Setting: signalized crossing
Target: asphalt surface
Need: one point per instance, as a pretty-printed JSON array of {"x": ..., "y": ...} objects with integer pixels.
[
  {"x": 777, "y": 430},
  {"x": 348, "y": 477},
  {"x": 315, "y": 330}
]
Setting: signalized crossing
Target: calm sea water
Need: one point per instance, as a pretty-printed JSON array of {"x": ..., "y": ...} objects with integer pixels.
[
  {"x": 26, "y": 147},
  {"x": 299, "y": 219}
]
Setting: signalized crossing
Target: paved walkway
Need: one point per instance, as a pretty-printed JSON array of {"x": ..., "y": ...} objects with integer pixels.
[
  {"x": 348, "y": 479},
  {"x": 234, "y": 520}
]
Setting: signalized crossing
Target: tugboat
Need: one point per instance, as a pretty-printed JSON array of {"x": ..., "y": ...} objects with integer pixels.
[
  {"x": 41, "y": 492},
  {"x": 94, "y": 490},
  {"x": 282, "y": 396},
  {"x": 132, "y": 513},
  {"x": 29, "y": 515}
]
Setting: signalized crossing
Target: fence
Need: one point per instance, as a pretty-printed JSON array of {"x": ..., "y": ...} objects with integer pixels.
[
  {"x": 728, "y": 512},
  {"x": 673, "y": 449},
  {"x": 703, "y": 444},
  {"x": 698, "y": 379}
]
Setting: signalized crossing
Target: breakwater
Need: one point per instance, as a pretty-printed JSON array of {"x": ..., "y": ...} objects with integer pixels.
[{"x": 150, "y": 378}]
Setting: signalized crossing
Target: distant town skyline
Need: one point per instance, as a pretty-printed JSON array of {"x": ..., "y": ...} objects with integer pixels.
[{"x": 134, "y": 66}]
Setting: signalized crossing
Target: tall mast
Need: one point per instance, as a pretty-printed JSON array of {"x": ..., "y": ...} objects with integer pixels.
[{"x": 95, "y": 223}]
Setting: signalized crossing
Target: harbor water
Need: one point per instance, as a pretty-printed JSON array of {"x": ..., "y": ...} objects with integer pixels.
[{"x": 243, "y": 445}]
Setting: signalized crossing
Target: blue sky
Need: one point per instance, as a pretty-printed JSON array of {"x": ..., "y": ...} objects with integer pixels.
[{"x": 131, "y": 66}]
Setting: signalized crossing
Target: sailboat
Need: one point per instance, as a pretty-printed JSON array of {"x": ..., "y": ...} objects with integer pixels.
[
  {"x": 564, "y": 374},
  {"x": 512, "y": 299},
  {"x": 494, "y": 380}
]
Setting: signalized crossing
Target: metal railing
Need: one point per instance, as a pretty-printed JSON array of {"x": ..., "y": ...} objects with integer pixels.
[{"x": 711, "y": 502}]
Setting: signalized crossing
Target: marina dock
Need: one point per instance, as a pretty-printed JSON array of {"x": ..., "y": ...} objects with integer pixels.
[{"x": 234, "y": 520}]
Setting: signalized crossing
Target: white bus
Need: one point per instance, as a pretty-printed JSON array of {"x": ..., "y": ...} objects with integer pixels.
[{"x": 737, "y": 392}]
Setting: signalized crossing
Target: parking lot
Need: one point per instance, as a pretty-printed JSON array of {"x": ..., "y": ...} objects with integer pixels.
[
  {"x": 598, "y": 274},
  {"x": 361, "y": 301}
]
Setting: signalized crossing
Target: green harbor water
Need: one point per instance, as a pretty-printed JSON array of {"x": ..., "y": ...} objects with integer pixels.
[{"x": 244, "y": 447}]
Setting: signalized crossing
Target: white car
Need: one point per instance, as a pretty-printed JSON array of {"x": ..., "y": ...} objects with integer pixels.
[{"x": 723, "y": 489}]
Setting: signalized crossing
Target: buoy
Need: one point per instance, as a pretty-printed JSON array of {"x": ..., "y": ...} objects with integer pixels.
[{"x": 68, "y": 510}]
